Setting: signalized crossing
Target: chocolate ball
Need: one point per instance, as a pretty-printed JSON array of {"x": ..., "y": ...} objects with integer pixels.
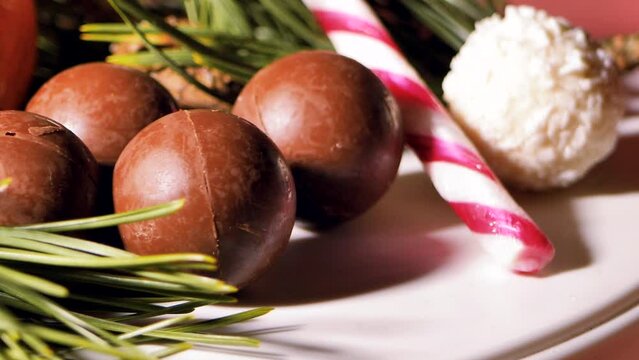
[
  {"x": 53, "y": 173},
  {"x": 240, "y": 197},
  {"x": 336, "y": 125},
  {"x": 104, "y": 105}
]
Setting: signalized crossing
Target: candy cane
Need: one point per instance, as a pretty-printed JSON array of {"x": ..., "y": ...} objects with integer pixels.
[{"x": 458, "y": 172}]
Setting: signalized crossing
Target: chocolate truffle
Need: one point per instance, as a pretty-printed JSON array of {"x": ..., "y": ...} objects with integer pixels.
[
  {"x": 53, "y": 175},
  {"x": 336, "y": 125},
  {"x": 240, "y": 197},
  {"x": 104, "y": 105}
]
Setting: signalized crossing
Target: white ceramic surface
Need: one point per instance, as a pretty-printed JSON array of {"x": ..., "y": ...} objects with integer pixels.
[
  {"x": 615, "y": 339},
  {"x": 408, "y": 281}
]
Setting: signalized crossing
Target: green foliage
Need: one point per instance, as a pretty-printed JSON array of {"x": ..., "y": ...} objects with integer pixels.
[
  {"x": 452, "y": 20},
  {"x": 237, "y": 37},
  {"x": 60, "y": 293}
]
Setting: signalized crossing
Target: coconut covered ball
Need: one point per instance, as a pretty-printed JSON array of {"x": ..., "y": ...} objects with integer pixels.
[{"x": 539, "y": 99}]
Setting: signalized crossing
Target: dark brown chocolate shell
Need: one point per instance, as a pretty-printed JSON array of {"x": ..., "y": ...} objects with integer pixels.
[
  {"x": 240, "y": 197},
  {"x": 336, "y": 125},
  {"x": 105, "y": 105},
  {"x": 53, "y": 174}
]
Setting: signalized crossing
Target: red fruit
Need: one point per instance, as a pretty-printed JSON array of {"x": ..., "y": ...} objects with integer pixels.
[{"x": 17, "y": 50}]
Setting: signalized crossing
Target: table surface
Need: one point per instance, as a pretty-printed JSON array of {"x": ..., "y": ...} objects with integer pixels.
[{"x": 408, "y": 281}]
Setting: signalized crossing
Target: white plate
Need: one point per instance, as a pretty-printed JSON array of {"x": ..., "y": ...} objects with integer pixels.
[
  {"x": 615, "y": 339},
  {"x": 408, "y": 281}
]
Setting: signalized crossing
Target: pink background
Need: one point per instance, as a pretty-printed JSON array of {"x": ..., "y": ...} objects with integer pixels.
[{"x": 600, "y": 17}]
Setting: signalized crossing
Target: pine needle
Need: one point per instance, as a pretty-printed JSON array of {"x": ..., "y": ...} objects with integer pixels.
[
  {"x": 48, "y": 281},
  {"x": 236, "y": 37},
  {"x": 452, "y": 20}
]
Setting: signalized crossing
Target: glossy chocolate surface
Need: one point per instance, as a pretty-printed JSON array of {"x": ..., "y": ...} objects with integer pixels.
[
  {"x": 53, "y": 174},
  {"x": 240, "y": 197},
  {"x": 337, "y": 126},
  {"x": 104, "y": 105}
]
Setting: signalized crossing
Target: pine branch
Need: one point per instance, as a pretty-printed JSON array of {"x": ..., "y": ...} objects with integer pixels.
[
  {"x": 236, "y": 37},
  {"x": 48, "y": 281}
]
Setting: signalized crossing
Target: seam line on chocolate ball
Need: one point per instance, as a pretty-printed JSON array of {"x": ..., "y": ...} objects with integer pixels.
[{"x": 206, "y": 185}]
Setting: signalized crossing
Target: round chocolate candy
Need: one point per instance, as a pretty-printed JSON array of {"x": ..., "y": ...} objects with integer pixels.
[
  {"x": 336, "y": 125},
  {"x": 53, "y": 175},
  {"x": 104, "y": 105},
  {"x": 240, "y": 197}
]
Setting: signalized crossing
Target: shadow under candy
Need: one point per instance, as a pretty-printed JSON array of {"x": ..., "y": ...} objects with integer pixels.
[
  {"x": 389, "y": 245},
  {"x": 104, "y": 206},
  {"x": 554, "y": 214},
  {"x": 396, "y": 241},
  {"x": 619, "y": 174},
  {"x": 554, "y": 211}
]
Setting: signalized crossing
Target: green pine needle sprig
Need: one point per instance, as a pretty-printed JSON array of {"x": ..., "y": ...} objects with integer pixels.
[
  {"x": 452, "y": 20},
  {"x": 236, "y": 37},
  {"x": 59, "y": 294}
]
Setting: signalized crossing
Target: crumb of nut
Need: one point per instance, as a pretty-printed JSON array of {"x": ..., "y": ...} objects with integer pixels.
[{"x": 187, "y": 95}]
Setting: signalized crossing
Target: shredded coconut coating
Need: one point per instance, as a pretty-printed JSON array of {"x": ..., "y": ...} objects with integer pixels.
[{"x": 538, "y": 98}]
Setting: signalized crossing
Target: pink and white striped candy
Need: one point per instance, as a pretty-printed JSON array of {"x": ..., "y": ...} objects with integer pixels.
[{"x": 458, "y": 172}]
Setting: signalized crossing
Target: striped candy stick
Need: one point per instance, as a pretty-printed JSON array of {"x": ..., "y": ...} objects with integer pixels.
[{"x": 458, "y": 172}]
